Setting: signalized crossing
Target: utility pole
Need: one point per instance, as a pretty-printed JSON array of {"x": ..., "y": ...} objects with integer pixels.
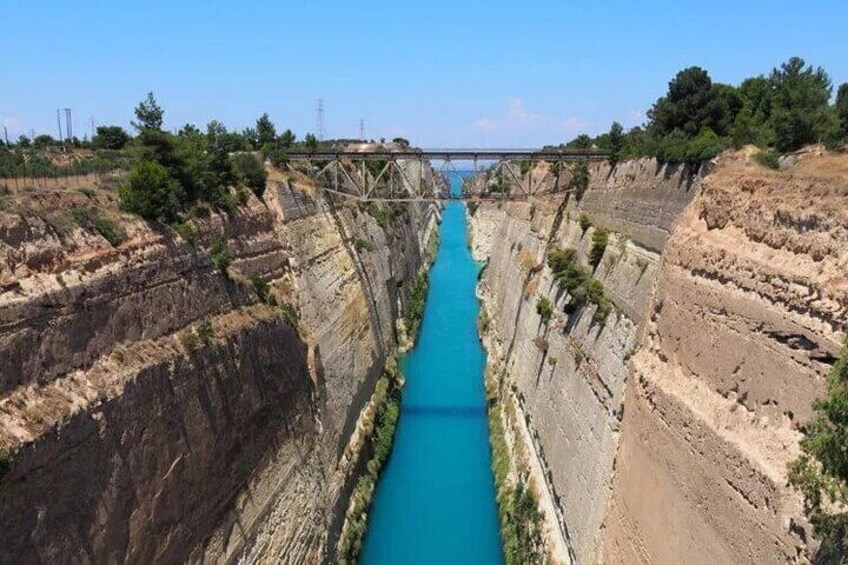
[
  {"x": 69, "y": 124},
  {"x": 93, "y": 129},
  {"x": 6, "y": 135},
  {"x": 59, "y": 121},
  {"x": 319, "y": 119},
  {"x": 362, "y": 129}
]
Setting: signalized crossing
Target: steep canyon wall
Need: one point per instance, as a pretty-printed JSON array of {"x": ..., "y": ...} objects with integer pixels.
[
  {"x": 663, "y": 432},
  {"x": 152, "y": 408}
]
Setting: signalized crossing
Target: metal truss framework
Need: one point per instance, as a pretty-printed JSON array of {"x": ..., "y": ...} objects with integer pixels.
[{"x": 404, "y": 176}]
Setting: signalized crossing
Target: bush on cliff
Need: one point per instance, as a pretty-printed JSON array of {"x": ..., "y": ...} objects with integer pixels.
[
  {"x": 250, "y": 171},
  {"x": 151, "y": 192},
  {"x": 414, "y": 311},
  {"x": 820, "y": 473},
  {"x": 600, "y": 240},
  {"x": 544, "y": 308}
]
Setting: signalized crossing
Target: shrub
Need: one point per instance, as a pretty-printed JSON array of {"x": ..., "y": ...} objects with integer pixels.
[
  {"x": 250, "y": 171},
  {"x": 110, "y": 137},
  {"x": 190, "y": 340},
  {"x": 585, "y": 221},
  {"x": 289, "y": 314},
  {"x": 580, "y": 181},
  {"x": 363, "y": 245},
  {"x": 261, "y": 288},
  {"x": 600, "y": 239},
  {"x": 544, "y": 309},
  {"x": 220, "y": 254},
  {"x": 414, "y": 311},
  {"x": 820, "y": 473},
  {"x": 769, "y": 159},
  {"x": 205, "y": 333},
  {"x": 186, "y": 230},
  {"x": 151, "y": 192},
  {"x": 109, "y": 230},
  {"x": 595, "y": 294}
]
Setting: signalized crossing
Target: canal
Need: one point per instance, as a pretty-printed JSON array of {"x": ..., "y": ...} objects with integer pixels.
[{"x": 435, "y": 501}]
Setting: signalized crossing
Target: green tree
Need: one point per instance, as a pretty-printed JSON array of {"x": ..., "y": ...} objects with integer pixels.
[
  {"x": 842, "y": 108},
  {"x": 23, "y": 141},
  {"x": 600, "y": 239},
  {"x": 287, "y": 139},
  {"x": 799, "y": 112},
  {"x": 544, "y": 308},
  {"x": 149, "y": 114},
  {"x": 311, "y": 142},
  {"x": 42, "y": 141},
  {"x": 687, "y": 104},
  {"x": 582, "y": 141},
  {"x": 249, "y": 170},
  {"x": 110, "y": 137},
  {"x": 151, "y": 192},
  {"x": 266, "y": 132},
  {"x": 616, "y": 143},
  {"x": 580, "y": 180}
]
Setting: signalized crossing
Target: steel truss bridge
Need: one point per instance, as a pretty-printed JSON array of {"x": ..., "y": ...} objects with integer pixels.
[{"x": 410, "y": 175}]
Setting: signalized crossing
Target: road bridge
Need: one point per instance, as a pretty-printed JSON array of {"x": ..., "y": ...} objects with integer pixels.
[{"x": 421, "y": 174}]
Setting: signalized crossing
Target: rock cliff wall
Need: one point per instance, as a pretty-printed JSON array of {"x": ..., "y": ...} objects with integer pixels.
[
  {"x": 152, "y": 408},
  {"x": 663, "y": 432},
  {"x": 749, "y": 310}
]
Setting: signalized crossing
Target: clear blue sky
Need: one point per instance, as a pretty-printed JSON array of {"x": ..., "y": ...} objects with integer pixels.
[{"x": 440, "y": 73}]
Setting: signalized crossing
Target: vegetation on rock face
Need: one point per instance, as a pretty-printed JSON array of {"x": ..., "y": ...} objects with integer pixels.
[
  {"x": 544, "y": 308},
  {"x": 380, "y": 437},
  {"x": 585, "y": 221},
  {"x": 220, "y": 254},
  {"x": 697, "y": 119},
  {"x": 600, "y": 239},
  {"x": 820, "y": 473},
  {"x": 580, "y": 181},
  {"x": 414, "y": 311},
  {"x": 768, "y": 158},
  {"x": 576, "y": 280},
  {"x": 520, "y": 519},
  {"x": 250, "y": 171}
]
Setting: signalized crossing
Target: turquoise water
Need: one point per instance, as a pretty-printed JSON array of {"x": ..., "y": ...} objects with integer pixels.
[{"x": 435, "y": 501}]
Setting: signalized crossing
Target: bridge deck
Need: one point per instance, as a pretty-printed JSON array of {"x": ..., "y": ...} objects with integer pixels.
[{"x": 453, "y": 155}]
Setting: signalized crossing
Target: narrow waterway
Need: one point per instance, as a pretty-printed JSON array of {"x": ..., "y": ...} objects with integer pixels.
[{"x": 435, "y": 502}]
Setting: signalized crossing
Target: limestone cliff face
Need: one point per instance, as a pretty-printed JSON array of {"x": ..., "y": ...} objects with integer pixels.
[
  {"x": 749, "y": 310},
  {"x": 664, "y": 431},
  {"x": 153, "y": 409}
]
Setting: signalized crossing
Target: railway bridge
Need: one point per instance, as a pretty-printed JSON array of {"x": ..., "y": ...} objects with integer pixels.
[{"x": 421, "y": 174}]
